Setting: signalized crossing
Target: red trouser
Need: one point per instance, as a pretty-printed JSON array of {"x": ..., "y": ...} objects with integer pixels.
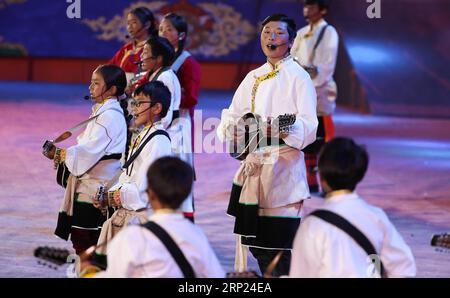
[
  {"x": 325, "y": 132},
  {"x": 83, "y": 239}
]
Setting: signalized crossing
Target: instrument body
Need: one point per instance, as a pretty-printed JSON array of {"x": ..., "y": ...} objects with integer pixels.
[
  {"x": 59, "y": 257},
  {"x": 250, "y": 133},
  {"x": 441, "y": 241}
]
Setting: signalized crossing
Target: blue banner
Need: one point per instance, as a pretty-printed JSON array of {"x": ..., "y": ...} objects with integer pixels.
[{"x": 219, "y": 30}]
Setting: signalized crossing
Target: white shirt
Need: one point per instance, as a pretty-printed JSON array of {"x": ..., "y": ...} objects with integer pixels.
[
  {"x": 170, "y": 79},
  {"x": 324, "y": 59},
  {"x": 133, "y": 182},
  {"x": 290, "y": 92},
  {"x": 323, "y": 250},
  {"x": 105, "y": 135},
  {"x": 137, "y": 252},
  {"x": 326, "y": 52}
]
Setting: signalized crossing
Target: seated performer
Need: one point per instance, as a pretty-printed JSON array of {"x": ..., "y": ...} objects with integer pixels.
[
  {"x": 270, "y": 186},
  {"x": 150, "y": 105},
  {"x": 138, "y": 251},
  {"x": 326, "y": 248},
  {"x": 94, "y": 160}
]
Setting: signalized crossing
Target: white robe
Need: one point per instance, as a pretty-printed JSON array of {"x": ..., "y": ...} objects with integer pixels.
[
  {"x": 180, "y": 129},
  {"x": 170, "y": 79},
  {"x": 289, "y": 92},
  {"x": 323, "y": 250},
  {"x": 133, "y": 182},
  {"x": 137, "y": 252},
  {"x": 324, "y": 59},
  {"x": 105, "y": 135}
]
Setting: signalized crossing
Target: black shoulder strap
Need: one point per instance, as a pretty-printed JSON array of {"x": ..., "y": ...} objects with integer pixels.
[
  {"x": 135, "y": 154},
  {"x": 350, "y": 229},
  {"x": 172, "y": 247},
  {"x": 319, "y": 38}
]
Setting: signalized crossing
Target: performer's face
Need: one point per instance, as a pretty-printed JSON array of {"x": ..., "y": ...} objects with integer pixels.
[
  {"x": 135, "y": 26},
  {"x": 97, "y": 88},
  {"x": 312, "y": 13},
  {"x": 148, "y": 60},
  {"x": 167, "y": 30},
  {"x": 141, "y": 107},
  {"x": 275, "y": 33}
]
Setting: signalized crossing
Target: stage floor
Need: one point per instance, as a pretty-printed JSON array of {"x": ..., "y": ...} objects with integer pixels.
[{"x": 408, "y": 176}]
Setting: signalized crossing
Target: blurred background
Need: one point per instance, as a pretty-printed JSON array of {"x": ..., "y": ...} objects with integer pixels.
[{"x": 397, "y": 64}]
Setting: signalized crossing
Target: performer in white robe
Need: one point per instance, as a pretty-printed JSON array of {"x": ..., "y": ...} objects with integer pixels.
[
  {"x": 267, "y": 195},
  {"x": 316, "y": 49},
  {"x": 94, "y": 160},
  {"x": 137, "y": 252},
  {"x": 150, "y": 103},
  {"x": 322, "y": 249},
  {"x": 156, "y": 58}
]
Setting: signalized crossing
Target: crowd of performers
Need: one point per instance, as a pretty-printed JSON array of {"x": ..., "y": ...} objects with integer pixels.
[{"x": 129, "y": 192}]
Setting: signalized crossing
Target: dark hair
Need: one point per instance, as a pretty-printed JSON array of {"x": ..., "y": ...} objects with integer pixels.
[
  {"x": 113, "y": 75},
  {"x": 343, "y": 163},
  {"x": 182, "y": 27},
  {"x": 323, "y": 4},
  {"x": 162, "y": 47},
  {"x": 291, "y": 26},
  {"x": 146, "y": 16},
  {"x": 171, "y": 180},
  {"x": 158, "y": 93}
]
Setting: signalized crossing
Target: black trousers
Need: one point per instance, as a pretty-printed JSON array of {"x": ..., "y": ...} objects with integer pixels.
[{"x": 265, "y": 256}]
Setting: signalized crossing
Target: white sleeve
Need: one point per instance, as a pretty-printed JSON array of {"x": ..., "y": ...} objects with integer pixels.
[
  {"x": 306, "y": 257},
  {"x": 84, "y": 155},
  {"x": 211, "y": 265},
  {"x": 303, "y": 131},
  {"x": 174, "y": 87},
  {"x": 231, "y": 115},
  {"x": 296, "y": 44},
  {"x": 133, "y": 195},
  {"x": 326, "y": 56},
  {"x": 396, "y": 255},
  {"x": 120, "y": 254}
]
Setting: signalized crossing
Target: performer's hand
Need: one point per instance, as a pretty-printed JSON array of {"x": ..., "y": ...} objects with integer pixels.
[
  {"x": 270, "y": 131},
  {"x": 100, "y": 204},
  {"x": 50, "y": 154},
  {"x": 117, "y": 202},
  {"x": 283, "y": 135},
  {"x": 96, "y": 203}
]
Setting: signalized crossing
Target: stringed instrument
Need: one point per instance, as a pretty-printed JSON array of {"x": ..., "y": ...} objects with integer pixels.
[
  {"x": 250, "y": 133},
  {"x": 59, "y": 257},
  {"x": 56, "y": 257},
  {"x": 441, "y": 240}
]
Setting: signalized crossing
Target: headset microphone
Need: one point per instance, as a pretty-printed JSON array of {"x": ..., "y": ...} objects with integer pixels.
[
  {"x": 274, "y": 46},
  {"x": 137, "y": 114}
]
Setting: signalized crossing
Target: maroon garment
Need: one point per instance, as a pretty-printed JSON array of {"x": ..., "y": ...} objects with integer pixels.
[{"x": 125, "y": 59}]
